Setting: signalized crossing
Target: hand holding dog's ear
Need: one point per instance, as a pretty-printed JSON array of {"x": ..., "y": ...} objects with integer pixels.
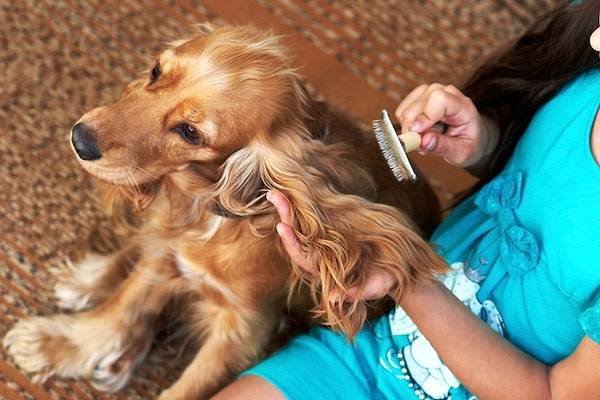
[
  {"x": 378, "y": 283},
  {"x": 286, "y": 231}
]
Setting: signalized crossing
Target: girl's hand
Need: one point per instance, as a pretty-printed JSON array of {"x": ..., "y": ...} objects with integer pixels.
[
  {"x": 378, "y": 283},
  {"x": 469, "y": 137},
  {"x": 286, "y": 232}
]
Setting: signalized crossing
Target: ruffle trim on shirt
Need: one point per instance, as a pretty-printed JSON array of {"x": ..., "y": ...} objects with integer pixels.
[{"x": 519, "y": 249}]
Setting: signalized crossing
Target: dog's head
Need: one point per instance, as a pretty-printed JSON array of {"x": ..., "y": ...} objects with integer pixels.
[{"x": 203, "y": 100}]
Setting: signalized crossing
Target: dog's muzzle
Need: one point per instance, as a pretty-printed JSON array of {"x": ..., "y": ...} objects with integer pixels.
[{"x": 84, "y": 143}]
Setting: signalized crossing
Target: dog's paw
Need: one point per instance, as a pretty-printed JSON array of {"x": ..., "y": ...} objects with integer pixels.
[
  {"x": 114, "y": 370},
  {"x": 76, "y": 286},
  {"x": 31, "y": 346},
  {"x": 73, "y": 346}
]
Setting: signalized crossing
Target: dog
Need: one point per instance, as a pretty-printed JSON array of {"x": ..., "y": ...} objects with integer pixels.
[{"x": 185, "y": 156}]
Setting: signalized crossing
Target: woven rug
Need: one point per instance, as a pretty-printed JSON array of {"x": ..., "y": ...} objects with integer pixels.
[{"x": 61, "y": 58}]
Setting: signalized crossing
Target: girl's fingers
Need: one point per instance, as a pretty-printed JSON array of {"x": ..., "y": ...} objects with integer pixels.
[
  {"x": 428, "y": 104},
  {"x": 282, "y": 206},
  {"x": 378, "y": 284},
  {"x": 288, "y": 237}
]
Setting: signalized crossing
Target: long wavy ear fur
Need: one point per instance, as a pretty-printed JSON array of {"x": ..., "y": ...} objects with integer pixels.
[{"x": 346, "y": 235}]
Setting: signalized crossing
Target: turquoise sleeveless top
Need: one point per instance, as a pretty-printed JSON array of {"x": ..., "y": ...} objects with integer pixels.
[
  {"x": 531, "y": 237},
  {"x": 525, "y": 249}
]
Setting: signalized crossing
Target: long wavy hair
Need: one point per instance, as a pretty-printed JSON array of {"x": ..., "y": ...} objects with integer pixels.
[{"x": 513, "y": 84}]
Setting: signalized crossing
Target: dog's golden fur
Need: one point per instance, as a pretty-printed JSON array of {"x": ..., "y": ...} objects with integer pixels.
[{"x": 220, "y": 119}]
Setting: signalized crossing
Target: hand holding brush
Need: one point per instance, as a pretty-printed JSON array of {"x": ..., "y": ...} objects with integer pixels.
[
  {"x": 468, "y": 139},
  {"x": 395, "y": 147}
]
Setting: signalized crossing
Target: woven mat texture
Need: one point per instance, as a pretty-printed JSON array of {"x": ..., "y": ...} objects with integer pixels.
[{"x": 61, "y": 58}]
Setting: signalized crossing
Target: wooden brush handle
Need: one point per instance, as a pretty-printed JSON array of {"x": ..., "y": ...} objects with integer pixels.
[{"x": 412, "y": 140}]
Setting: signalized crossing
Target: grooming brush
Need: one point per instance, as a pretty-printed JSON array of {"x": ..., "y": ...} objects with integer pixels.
[{"x": 395, "y": 147}]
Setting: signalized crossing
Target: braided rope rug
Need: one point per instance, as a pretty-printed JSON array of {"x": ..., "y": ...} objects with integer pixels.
[{"x": 62, "y": 58}]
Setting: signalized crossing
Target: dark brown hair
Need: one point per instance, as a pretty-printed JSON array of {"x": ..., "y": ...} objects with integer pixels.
[{"x": 515, "y": 83}]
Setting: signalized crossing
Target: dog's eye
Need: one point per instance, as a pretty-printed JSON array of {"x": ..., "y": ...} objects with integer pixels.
[
  {"x": 155, "y": 73},
  {"x": 189, "y": 133}
]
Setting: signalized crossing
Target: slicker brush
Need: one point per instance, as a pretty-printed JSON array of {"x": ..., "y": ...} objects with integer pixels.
[{"x": 395, "y": 147}]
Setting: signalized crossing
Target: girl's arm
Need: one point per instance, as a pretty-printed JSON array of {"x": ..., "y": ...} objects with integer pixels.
[{"x": 490, "y": 366}]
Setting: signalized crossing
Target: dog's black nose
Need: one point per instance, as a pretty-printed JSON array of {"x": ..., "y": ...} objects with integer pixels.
[{"x": 84, "y": 144}]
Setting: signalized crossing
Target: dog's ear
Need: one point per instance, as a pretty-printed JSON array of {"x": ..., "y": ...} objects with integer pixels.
[
  {"x": 345, "y": 233},
  {"x": 361, "y": 238},
  {"x": 347, "y": 238}
]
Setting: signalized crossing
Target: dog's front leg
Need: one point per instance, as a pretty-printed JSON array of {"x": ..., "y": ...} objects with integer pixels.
[
  {"x": 235, "y": 340},
  {"x": 90, "y": 281},
  {"x": 104, "y": 344}
]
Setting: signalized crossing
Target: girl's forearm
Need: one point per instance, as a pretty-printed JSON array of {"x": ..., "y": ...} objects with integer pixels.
[{"x": 484, "y": 362}]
